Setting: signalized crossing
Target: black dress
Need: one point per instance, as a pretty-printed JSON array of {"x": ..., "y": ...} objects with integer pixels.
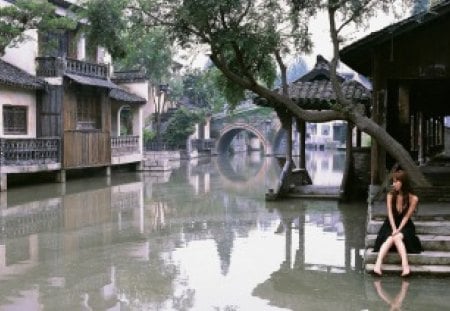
[{"x": 412, "y": 242}]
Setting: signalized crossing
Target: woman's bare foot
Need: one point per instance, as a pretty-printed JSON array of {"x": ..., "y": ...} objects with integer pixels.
[
  {"x": 377, "y": 271},
  {"x": 406, "y": 272}
]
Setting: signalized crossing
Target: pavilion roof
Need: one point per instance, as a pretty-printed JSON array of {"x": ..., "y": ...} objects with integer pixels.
[{"x": 314, "y": 90}]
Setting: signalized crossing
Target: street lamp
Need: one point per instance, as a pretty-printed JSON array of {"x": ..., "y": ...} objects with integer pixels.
[{"x": 163, "y": 90}]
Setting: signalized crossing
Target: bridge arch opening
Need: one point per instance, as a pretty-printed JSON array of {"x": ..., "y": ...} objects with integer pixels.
[{"x": 229, "y": 133}]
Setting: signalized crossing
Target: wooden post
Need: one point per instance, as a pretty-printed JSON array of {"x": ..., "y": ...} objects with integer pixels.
[
  {"x": 422, "y": 141},
  {"x": 358, "y": 138},
  {"x": 3, "y": 200},
  {"x": 301, "y": 127},
  {"x": 61, "y": 176},
  {"x": 3, "y": 182}
]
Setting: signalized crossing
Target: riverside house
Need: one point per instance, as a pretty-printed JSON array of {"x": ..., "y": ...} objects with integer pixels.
[
  {"x": 60, "y": 110},
  {"x": 409, "y": 65}
]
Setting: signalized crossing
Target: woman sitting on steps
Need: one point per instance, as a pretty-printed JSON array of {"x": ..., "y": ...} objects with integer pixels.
[{"x": 398, "y": 230}]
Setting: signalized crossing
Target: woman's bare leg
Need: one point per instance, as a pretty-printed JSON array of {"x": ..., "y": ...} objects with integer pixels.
[
  {"x": 401, "y": 249},
  {"x": 382, "y": 253}
]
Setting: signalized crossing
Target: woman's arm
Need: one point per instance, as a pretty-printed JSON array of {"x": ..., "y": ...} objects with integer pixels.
[
  {"x": 389, "y": 211},
  {"x": 413, "y": 200}
]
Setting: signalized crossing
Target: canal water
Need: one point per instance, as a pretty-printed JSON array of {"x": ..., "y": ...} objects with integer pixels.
[{"x": 200, "y": 237}]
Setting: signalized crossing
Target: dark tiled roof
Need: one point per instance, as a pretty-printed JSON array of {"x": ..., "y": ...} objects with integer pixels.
[
  {"x": 319, "y": 94},
  {"x": 11, "y": 75},
  {"x": 320, "y": 71},
  {"x": 122, "y": 95},
  {"x": 91, "y": 81},
  {"x": 129, "y": 76},
  {"x": 314, "y": 90},
  {"x": 437, "y": 11},
  {"x": 115, "y": 92}
]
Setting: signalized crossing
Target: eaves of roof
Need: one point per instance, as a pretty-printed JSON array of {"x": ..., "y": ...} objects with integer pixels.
[
  {"x": 122, "y": 95},
  {"x": 319, "y": 94},
  {"x": 14, "y": 76},
  {"x": 84, "y": 80},
  {"x": 399, "y": 28},
  {"x": 116, "y": 92}
]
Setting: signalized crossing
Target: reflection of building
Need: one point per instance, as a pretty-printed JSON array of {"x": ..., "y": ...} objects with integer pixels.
[
  {"x": 61, "y": 236},
  {"x": 325, "y": 168},
  {"x": 328, "y": 135}
]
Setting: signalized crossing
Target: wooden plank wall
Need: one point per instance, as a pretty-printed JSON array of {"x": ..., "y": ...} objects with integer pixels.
[
  {"x": 422, "y": 53},
  {"x": 86, "y": 148},
  {"x": 49, "y": 112}
]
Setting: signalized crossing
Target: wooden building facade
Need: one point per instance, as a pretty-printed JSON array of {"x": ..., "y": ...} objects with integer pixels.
[
  {"x": 409, "y": 65},
  {"x": 61, "y": 111}
]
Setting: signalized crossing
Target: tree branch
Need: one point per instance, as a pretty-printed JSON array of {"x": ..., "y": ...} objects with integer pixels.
[{"x": 275, "y": 98}]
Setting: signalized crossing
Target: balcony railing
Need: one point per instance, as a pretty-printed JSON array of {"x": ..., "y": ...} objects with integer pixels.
[
  {"x": 122, "y": 145},
  {"x": 57, "y": 66},
  {"x": 29, "y": 151}
]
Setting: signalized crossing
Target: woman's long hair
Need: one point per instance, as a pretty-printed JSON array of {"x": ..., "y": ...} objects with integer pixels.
[{"x": 401, "y": 176}]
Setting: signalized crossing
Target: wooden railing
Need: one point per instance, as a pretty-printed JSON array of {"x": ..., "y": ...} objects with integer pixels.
[
  {"x": 30, "y": 151},
  {"x": 122, "y": 145},
  {"x": 57, "y": 66},
  {"x": 86, "y": 69}
]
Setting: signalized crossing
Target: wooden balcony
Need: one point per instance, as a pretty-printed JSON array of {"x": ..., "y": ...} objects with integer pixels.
[
  {"x": 30, "y": 151},
  {"x": 58, "y": 66}
]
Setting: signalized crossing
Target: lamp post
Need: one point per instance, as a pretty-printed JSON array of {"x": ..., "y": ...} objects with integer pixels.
[{"x": 163, "y": 90}]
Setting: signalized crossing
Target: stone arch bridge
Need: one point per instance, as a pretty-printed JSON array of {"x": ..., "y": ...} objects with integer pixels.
[{"x": 261, "y": 124}]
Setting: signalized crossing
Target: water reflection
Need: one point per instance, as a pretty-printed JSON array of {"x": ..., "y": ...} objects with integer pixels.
[{"x": 193, "y": 239}]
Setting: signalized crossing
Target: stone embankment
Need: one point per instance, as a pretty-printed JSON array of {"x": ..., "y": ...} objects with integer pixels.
[{"x": 432, "y": 222}]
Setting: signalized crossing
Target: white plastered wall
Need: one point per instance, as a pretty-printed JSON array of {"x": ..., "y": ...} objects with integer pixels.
[
  {"x": 18, "y": 97},
  {"x": 23, "y": 56},
  {"x": 140, "y": 89}
]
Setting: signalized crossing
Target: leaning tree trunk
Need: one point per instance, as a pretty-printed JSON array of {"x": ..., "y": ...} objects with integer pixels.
[{"x": 392, "y": 146}]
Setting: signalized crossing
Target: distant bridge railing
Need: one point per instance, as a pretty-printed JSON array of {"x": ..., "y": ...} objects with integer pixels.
[
  {"x": 203, "y": 144},
  {"x": 160, "y": 146}
]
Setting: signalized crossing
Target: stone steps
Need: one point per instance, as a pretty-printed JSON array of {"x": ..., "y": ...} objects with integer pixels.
[
  {"x": 433, "y": 229},
  {"x": 424, "y": 258},
  {"x": 415, "y": 269},
  {"x": 429, "y": 241}
]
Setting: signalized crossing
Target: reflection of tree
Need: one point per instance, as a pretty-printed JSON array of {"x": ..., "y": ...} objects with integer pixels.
[
  {"x": 145, "y": 283},
  {"x": 301, "y": 285}
]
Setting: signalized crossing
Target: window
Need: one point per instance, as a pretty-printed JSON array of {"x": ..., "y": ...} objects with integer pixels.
[
  {"x": 325, "y": 130},
  {"x": 88, "y": 111},
  {"x": 15, "y": 120}
]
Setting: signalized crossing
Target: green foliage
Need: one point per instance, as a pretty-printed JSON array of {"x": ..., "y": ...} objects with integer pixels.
[
  {"x": 149, "y": 49},
  {"x": 106, "y": 24},
  {"x": 149, "y": 135},
  {"x": 130, "y": 43},
  {"x": 180, "y": 126},
  {"x": 29, "y": 14},
  {"x": 201, "y": 89}
]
